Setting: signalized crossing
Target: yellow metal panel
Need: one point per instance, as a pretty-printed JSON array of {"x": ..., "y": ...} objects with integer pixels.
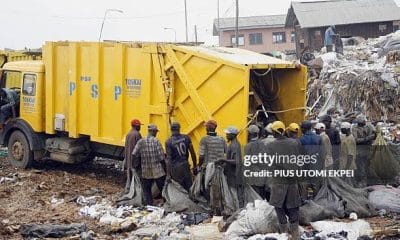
[{"x": 100, "y": 87}]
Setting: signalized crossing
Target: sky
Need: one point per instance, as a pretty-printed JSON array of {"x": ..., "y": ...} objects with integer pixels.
[{"x": 29, "y": 23}]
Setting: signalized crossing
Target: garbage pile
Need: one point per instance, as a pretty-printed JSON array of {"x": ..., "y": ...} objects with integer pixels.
[{"x": 366, "y": 78}]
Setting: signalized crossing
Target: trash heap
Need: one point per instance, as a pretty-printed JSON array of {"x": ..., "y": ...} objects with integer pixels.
[{"x": 366, "y": 78}]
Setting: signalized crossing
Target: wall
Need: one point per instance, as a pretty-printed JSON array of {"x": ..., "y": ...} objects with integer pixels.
[
  {"x": 316, "y": 36},
  {"x": 267, "y": 43}
]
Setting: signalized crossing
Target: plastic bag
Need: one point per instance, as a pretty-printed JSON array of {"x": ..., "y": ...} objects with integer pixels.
[
  {"x": 354, "y": 229},
  {"x": 257, "y": 218},
  {"x": 177, "y": 199},
  {"x": 135, "y": 195}
]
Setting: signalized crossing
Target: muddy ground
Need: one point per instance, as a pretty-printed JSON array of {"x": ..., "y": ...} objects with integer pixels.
[{"x": 28, "y": 198}]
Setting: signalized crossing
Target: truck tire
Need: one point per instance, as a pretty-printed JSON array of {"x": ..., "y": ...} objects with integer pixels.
[{"x": 19, "y": 153}]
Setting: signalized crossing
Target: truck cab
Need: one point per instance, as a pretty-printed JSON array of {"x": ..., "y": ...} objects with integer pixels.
[{"x": 19, "y": 131}]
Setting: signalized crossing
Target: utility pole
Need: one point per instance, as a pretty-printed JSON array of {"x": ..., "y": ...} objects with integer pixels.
[
  {"x": 186, "y": 22},
  {"x": 104, "y": 19},
  {"x": 237, "y": 24},
  {"x": 219, "y": 31},
  {"x": 195, "y": 34}
]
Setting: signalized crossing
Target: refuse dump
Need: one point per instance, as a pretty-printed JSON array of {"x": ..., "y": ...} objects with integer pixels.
[
  {"x": 360, "y": 80},
  {"x": 385, "y": 197},
  {"x": 51, "y": 230},
  {"x": 257, "y": 218},
  {"x": 349, "y": 231}
]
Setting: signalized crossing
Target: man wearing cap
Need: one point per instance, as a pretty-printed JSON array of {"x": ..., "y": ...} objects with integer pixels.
[
  {"x": 212, "y": 147},
  {"x": 334, "y": 137},
  {"x": 270, "y": 137},
  {"x": 151, "y": 155},
  {"x": 178, "y": 147},
  {"x": 130, "y": 142},
  {"x": 254, "y": 147},
  {"x": 292, "y": 131},
  {"x": 284, "y": 189},
  {"x": 364, "y": 135},
  {"x": 327, "y": 151},
  {"x": 234, "y": 169}
]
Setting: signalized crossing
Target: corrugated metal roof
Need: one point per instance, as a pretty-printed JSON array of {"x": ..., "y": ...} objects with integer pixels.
[
  {"x": 250, "y": 22},
  {"x": 340, "y": 12}
]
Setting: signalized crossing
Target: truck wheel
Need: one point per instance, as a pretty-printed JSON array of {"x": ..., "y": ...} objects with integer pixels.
[{"x": 19, "y": 153}]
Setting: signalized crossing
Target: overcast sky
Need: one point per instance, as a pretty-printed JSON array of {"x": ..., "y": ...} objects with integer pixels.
[{"x": 28, "y": 23}]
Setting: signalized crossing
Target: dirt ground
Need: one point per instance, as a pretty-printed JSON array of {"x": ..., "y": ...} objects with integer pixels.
[{"x": 28, "y": 199}]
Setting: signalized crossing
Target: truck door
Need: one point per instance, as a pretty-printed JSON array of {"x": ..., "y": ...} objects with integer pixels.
[{"x": 31, "y": 100}]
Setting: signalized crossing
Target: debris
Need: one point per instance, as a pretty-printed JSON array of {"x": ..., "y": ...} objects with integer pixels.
[
  {"x": 89, "y": 235},
  {"x": 194, "y": 218},
  {"x": 269, "y": 236},
  {"x": 204, "y": 231},
  {"x": 84, "y": 201},
  {"x": 350, "y": 231},
  {"x": 359, "y": 80},
  {"x": 353, "y": 216},
  {"x": 51, "y": 230},
  {"x": 257, "y": 218},
  {"x": 55, "y": 201}
]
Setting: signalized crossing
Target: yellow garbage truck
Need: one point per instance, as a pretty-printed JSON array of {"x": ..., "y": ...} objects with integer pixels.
[{"x": 77, "y": 102}]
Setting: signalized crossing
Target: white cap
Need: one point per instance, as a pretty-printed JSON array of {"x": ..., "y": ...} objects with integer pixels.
[
  {"x": 268, "y": 128},
  {"x": 319, "y": 126},
  {"x": 345, "y": 125}
]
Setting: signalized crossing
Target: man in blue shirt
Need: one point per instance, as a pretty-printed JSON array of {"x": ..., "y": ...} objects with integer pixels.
[
  {"x": 329, "y": 38},
  {"x": 178, "y": 147}
]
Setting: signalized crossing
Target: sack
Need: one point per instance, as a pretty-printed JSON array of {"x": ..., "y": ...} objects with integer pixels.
[
  {"x": 329, "y": 200},
  {"x": 383, "y": 164},
  {"x": 312, "y": 212},
  {"x": 196, "y": 190},
  {"x": 385, "y": 197},
  {"x": 222, "y": 197},
  {"x": 257, "y": 218},
  {"x": 135, "y": 195},
  {"x": 177, "y": 199}
]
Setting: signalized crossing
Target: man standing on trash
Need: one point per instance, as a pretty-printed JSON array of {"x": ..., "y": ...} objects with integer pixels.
[
  {"x": 364, "y": 135},
  {"x": 151, "y": 155},
  {"x": 177, "y": 148},
  {"x": 234, "y": 169},
  {"x": 334, "y": 137},
  {"x": 284, "y": 190},
  {"x": 254, "y": 147},
  {"x": 131, "y": 140},
  {"x": 329, "y": 38}
]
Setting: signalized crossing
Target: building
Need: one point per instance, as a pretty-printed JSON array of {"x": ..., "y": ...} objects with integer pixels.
[
  {"x": 363, "y": 18},
  {"x": 263, "y": 34}
]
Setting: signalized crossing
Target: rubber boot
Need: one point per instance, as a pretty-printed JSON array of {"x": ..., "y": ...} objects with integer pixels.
[
  {"x": 294, "y": 231},
  {"x": 283, "y": 228}
]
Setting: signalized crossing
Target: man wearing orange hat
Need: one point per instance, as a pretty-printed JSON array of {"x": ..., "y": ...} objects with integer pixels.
[{"x": 130, "y": 142}]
